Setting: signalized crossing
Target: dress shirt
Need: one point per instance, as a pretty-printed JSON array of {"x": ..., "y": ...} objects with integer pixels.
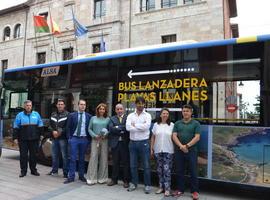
[
  {"x": 83, "y": 133},
  {"x": 142, "y": 125}
]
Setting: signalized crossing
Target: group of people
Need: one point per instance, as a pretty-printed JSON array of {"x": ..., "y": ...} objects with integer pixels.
[{"x": 126, "y": 136}]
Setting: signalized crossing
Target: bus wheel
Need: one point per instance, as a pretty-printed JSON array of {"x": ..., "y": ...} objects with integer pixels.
[{"x": 44, "y": 152}]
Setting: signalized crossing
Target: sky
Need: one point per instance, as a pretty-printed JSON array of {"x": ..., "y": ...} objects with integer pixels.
[
  {"x": 8, "y": 3},
  {"x": 253, "y": 17}
]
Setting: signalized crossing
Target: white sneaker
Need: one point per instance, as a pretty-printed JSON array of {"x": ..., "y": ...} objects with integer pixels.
[
  {"x": 90, "y": 182},
  {"x": 102, "y": 181},
  {"x": 131, "y": 187},
  {"x": 147, "y": 189}
]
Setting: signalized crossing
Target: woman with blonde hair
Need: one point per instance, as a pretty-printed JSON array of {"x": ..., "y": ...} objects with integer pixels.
[{"x": 98, "y": 128}]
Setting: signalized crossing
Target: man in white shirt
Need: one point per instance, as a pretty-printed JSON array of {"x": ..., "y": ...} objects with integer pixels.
[{"x": 138, "y": 124}]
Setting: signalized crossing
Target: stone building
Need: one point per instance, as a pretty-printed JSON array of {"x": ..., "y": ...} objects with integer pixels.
[{"x": 121, "y": 23}]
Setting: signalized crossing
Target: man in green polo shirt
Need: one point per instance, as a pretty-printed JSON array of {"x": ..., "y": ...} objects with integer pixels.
[{"x": 186, "y": 134}]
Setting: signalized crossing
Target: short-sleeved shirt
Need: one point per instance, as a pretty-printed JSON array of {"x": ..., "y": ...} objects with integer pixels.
[
  {"x": 186, "y": 131},
  {"x": 163, "y": 138}
]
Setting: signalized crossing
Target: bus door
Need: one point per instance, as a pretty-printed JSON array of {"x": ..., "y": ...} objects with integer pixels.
[
  {"x": 12, "y": 105},
  {"x": 97, "y": 93},
  {"x": 94, "y": 82}
]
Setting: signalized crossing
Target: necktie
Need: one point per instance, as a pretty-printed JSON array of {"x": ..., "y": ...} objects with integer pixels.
[
  {"x": 120, "y": 119},
  {"x": 79, "y": 125}
]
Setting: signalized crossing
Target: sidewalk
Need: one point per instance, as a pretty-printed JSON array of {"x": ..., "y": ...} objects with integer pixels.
[{"x": 52, "y": 188}]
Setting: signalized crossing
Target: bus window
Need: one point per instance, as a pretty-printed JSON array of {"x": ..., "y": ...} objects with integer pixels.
[
  {"x": 16, "y": 102},
  {"x": 234, "y": 103}
]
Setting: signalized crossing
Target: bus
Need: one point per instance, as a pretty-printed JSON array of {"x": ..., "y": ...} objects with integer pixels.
[
  {"x": 225, "y": 81},
  {"x": 1, "y": 121}
]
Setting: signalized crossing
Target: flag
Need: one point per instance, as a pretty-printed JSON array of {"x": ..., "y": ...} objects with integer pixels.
[
  {"x": 55, "y": 28},
  {"x": 102, "y": 44},
  {"x": 41, "y": 25},
  {"x": 79, "y": 29}
]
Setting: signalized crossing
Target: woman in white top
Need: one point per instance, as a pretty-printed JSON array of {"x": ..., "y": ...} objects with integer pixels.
[{"x": 162, "y": 148}]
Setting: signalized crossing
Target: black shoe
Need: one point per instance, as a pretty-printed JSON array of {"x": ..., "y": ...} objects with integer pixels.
[
  {"x": 67, "y": 181},
  {"x": 22, "y": 175},
  {"x": 125, "y": 184},
  {"x": 35, "y": 173},
  {"x": 111, "y": 183},
  {"x": 82, "y": 179}
]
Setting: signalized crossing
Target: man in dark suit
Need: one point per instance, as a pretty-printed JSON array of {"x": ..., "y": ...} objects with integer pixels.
[
  {"x": 78, "y": 139},
  {"x": 118, "y": 141}
]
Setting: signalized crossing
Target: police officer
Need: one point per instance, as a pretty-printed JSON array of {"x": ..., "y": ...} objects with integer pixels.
[{"x": 26, "y": 133}]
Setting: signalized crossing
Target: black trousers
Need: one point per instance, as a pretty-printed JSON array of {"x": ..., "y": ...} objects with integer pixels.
[
  {"x": 30, "y": 146},
  {"x": 120, "y": 156}
]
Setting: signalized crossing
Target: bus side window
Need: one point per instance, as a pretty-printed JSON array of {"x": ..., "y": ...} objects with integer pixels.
[{"x": 16, "y": 103}]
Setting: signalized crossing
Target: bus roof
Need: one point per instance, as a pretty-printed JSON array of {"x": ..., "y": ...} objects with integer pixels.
[{"x": 145, "y": 50}]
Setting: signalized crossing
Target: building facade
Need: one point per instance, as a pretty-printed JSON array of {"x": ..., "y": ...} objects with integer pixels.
[{"x": 121, "y": 24}]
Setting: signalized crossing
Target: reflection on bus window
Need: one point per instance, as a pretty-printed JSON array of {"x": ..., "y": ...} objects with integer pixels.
[{"x": 233, "y": 102}]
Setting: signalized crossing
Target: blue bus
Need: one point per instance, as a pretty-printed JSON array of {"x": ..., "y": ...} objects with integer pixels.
[
  {"x": 226, "y": 82},
  {"x": 1, "y": 121}
]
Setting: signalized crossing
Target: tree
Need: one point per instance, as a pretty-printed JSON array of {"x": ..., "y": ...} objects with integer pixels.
[{"x": 257, "y": 105}]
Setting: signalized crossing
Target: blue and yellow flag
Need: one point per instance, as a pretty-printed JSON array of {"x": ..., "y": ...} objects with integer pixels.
[{"x": 79, "y": 29}]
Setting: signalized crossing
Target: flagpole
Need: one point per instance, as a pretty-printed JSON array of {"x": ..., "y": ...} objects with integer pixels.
[
  {"x": 25, "y": 33},
  {"x": 102, "y": 39},
  {"x": 76, "y": 45},
  {"x": 35, "y": 36},
  {"x": 55, "y": 54}
]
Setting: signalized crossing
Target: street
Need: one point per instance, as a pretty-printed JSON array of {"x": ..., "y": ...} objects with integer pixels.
[{"x": 48, "y": 187}]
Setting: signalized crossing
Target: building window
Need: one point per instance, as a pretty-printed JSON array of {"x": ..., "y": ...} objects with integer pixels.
[
  {"x": 96, "y": 48},
  {"x": 17, "y": 31},
  {"x": 68, "y": 53},
  {"x": 99, "y": 8},
  {"x": 45, "y": 15},
  {"x": 6, "y": 35},
  {"x": 146, "y": 5},
  {"x": 4, "y": 64},
  {"x": 188, "y": 1},
  {"x": 68, "y": 11},
  {"x": 41, "y": 58},
  {"x": 168, "y": 3},
  {"x": 168, "y": 38}
]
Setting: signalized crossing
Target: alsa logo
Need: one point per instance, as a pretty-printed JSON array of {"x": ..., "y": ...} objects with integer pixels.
[{"x": 50, "y": 71}]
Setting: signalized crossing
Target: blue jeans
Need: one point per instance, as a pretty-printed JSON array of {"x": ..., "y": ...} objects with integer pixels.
[
  {"x": 191, "y": 159},
  {"x": 59, "y": 145},
  {"x": 78, "y": 146},
  {"x": 140, "y": 149}
]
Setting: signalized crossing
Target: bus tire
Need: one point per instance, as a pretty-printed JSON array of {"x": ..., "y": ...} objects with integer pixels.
[{"x": 43, "y": 157}]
